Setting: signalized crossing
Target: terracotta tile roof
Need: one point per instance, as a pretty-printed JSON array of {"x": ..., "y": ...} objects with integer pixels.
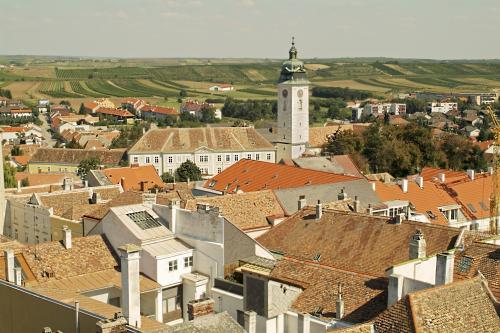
[
  {"x": 90, "y": 105},
  {"x": 21, "y": 160},
  {"x": 353, "y": 242},
  {"x": 362, "y": 328},
  {"x": 87, "y": 255},
  {"x": 396, "y": 319},
  {"x": 181, "y": 193},
  {"x": 134, "y": 176},
  {"x": 35, "y": 179},
  {"x": 250, "y": 175},
  {"x": 318, "y": 136},
  {"x": 177, "y": 140},
  {"x": 115, "y": 112},
  {"x": 74, "y": 156},
  {"x": 425, "y": 199},
  {"x": 246, "y": 210},
  {"x": 94, "y": 144},
  {"x": 15, "y": 129},
  {"x": 160, "y": 110},
  {"x": 123, "y": 199},
  {"x": 194, "y": 106},
  {"x": 430, "y": 173},
  {"x": 364, "y": 296},
  {"x": 479, "y": 257},
  {"x": 473, "y": 195}
]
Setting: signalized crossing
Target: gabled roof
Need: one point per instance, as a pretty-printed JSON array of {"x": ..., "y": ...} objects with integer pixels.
[
  {"x": 250, "y": 175},
  {"x": 463, "y": 306},
  {"x": 115, "y": 112},
  {"x": 188, "y": 140},
  {"x": 353, "y": 242},
  {"x": 342, "y": 164},
  {"x": 430, "y": 173},
  {"x": 123, "y": 199},
  {"x": 133, "y": 176},
  {"x": 160, "y": 110},
  {"x": 318, "y": 136},
  {"x": 246, "y": 210},
  {"x": 74, "y": 156}
]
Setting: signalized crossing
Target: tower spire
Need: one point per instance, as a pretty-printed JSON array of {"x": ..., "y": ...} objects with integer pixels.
[{"x": 293, "y": 51}]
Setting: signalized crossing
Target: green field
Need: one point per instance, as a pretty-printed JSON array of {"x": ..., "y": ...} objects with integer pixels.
[{"x": 252, "y": 78}]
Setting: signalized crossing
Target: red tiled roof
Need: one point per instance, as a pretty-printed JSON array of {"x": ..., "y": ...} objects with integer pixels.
[
  {"x": 90, "y": 105},
  {"x": 21, "y": 160},
  {"x": 15, "y": 129},
  {"x": 134, "y": 176},
  {"x": 160, "y": 110},
  {"x": 430, "y": 173},
  {"x": 115, "y": 112},
  {"x": 249, "y": 175}
]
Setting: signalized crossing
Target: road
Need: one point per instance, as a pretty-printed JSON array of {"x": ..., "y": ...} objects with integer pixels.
[{"x": 46, "y": 130}]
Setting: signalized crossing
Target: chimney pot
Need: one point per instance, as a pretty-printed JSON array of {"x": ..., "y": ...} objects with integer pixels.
[
  {"x": 490, "y": 170},
  {"x": 66, "y": 235},
  {"x": 302, "y": 203},
  {"x": 357, "y": 205},
  {"x": 420, "y": 181},
  {"x": 339, "y": 309},
  {"x": 374, "y": 186},
  {"x": 319, "y": 210},
  {"x": 342, "y": 195},
  {"x": 18, "y": 186}
]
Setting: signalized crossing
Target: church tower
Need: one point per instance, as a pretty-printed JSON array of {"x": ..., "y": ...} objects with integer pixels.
[{"x": 293, "y": 108}]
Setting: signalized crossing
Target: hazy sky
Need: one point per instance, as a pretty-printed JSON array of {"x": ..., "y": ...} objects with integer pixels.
[{"x": 442, "y": 29}]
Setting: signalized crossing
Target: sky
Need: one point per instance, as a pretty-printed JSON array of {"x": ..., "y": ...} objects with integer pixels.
[{"x": 432, "y": 29}]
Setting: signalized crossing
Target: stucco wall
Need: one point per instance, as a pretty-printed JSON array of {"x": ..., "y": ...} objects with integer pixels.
[{"x": 239, "y": 245}]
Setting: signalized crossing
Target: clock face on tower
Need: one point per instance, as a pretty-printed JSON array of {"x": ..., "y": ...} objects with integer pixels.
[
  {"x": 300, "y": 93},
  {"x": 284, "y": 93}
]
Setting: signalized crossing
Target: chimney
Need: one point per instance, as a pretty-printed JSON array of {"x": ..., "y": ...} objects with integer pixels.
[
  {"x": 404, "y": 185},
  {"x": 18, "y": 276},
  {"x": 302, "y": 203},
  {"x": 471, "y": 173},
  {"x": 417, "y": 245},
  {"x": 130, "y": 298},
  {"x": 420, "y": 181},
  {"x": 149, "y": 198},
  {"x": 399, "y": 218},
  {"x": 319, "y": 210},
  {"x": 395, "y": 289},
  {"x": 18, "y": 186},
  {"x": 304, "y": 323},
  {"x": 370, "y": 209},
  {"x": 250, "y": 321},
  {"x": 96, "y": 198},
  {"x": 441, "y": 177},
  {"x": 342, "y": 195},
  {"x": 200, "y": 307},
  {"x": 85, "y": 183},
  {"x": 444, "y": 268},
  {"x": 339, "y": 309},
  {"x": 67, "y": 184},
  {"x": 490, "y": 170},
  {"x": 9, "y": 265},
  {"x": 117, "y": 324},
  {"x": 356, "y": 204},
  {"x": 374, "y": 186},
  {"x": 66, "y": 235},
  {"x": 122, "y": 183}
]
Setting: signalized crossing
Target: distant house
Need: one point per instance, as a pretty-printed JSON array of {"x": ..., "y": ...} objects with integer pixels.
[
  {"x": 3, "y": 101},
  {"x": 158, "y": 112},
  {"x": 132, "y": 178},
  {"x": 117, "y": 114},
  {"x": 43, "y": 105},
  {"x": 222, "y": 87},
  {"x": 379, "y": 109},
  {"x": 67, "y": 160},
  {"x": 441, "y": 107},
  {"x": 471, "y": 131},
  {"x": 195, "y": 108},
  {"x": 132, "y": 104},
  {"x": 90, "y": 107},
  {"x": 18, "y": 113},
  {"x": 15, "y": 134}
]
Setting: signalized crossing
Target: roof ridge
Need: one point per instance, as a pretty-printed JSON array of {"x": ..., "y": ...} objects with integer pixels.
[{"x": 328, "y": 267}]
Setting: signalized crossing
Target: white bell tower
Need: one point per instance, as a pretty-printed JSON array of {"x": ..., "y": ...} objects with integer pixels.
[{"x": 293, "y": 108}]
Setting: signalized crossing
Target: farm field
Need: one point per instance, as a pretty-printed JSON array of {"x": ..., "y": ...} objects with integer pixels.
[{"x": 163, "y": 79}]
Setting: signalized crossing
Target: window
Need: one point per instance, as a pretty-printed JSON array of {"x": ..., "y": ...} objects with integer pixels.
[
  {"x": 257, "y": 157},
  {"x": 228, "y": 158},
  {"x": 136, "y": 159},
  {"x": 219, "y": 158},
  {"x": 144, "y": 220},
  {"x": 188, "y": 261},
  {"x": 453, "y": 214},
  {"x": 157, "y": 160},
  {"x": 268, "y": 156},
  {"x": 219, "y": 170},
  {"x": 203, "y": 158},
  {"x": 249, "y": 156},
  {"x": 170, "y": 171},
  {"x": 147, "y": 159},
  {"x": 170, "y": 159},
  {"x": 172, "y": 265},
  {"x": 236, "y": 158}
]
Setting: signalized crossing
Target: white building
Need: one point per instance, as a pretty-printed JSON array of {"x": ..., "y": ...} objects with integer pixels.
[
  {"x": 293, "y": 108},
  {"x": 390, "y": 108},
  {"x": 442, "y": 107},
  {"x": 213, "y": 149},
  {"x": 223, "y": 87}
]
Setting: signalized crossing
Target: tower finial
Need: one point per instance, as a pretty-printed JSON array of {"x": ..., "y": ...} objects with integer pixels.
[{"x": 293, "y": 40}]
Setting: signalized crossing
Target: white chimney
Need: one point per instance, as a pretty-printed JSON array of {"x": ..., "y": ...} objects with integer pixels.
[
  {"x": 395, "y": 289},
  {"x": 356, "y": 204},
  {"x": 417, "y": 245},
  {"x": 441, "y": 177},
  {"x": 18, "y": 273},
  {"x": 18, "y": 186},
  {"x": 9, "y": 265},
  {"x": 339, "y": 304},
  {"x": 444, "y": 268},
  {"x": 471, "y": 173},
  {"x": 66, "y": 236},
  {"x": 404, "y": 185},
  {"x": 319, "y": 210},
  {"x": 130, "y": 299},
  {"x": 342, "y": 195},
  {"x": 86, "y": 183},
  {"x": 67, "y": 184},
  {"x": 250, "y": 321},
  {"x": 304, "y": 323},
  {"x": 302, "y": 203},
  {"x": 374, "y": 186},
  {"x": 490, "y": 170},
  {"x": 420, "y": 181}
]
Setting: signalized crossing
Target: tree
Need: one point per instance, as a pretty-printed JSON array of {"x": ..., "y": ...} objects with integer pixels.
[
  {"x": 73, "y": 144},
  {"x": 208, "y": 115},
  {"x": 9, "y": 175},
  {"x": 6, "y": 93},
  {"x": 182, "y": 93},
  {"x": 188, "y": 170},
  {"x": 87, "y": 164},
  {"x": 167, "y": 177},
  {"x": 16, "y": 151}
]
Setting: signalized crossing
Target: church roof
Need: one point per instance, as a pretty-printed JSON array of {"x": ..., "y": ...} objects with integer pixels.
[{"x": 293, "y": 68}]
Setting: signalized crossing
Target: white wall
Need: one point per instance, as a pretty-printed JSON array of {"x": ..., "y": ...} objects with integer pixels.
[
  {"x": 226, "y": 301},
  {"x": 421, "y": 269},
  {"x": 167, "y": 278}
]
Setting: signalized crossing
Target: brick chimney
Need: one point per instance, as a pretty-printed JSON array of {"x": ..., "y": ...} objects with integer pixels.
[
  {"x": 200, "y": 307},
  {"x": 66, "y": 237},
  {"x": 319, "y": 210},
  {"x": 444, "y": 268},
  {"x": 130, "y": 269},
  {"x": 417, "y": 245},
  {"x": 9, "y": 265}
]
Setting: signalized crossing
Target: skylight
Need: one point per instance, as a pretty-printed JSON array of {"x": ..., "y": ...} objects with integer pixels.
[
  {"x": 465, "y": 264},
  {"x": 144, "y": 220},
  {"x": 471, "y": 207}
]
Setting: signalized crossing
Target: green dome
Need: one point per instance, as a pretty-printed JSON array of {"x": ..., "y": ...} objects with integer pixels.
[{"x": 293, "y": 68}]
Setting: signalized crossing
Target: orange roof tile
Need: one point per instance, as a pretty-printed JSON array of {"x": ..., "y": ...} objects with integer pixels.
[
  {"x": 318, "y": 136},
  {"x": 15, "y": 129},
  {"x": 425, "y": 199},
  {"x": 21, "y": 160},
  {"x": 115, "y": 112},
  {"x": 473, "y": 195},
  {"x": 430, "y": 173},
  {"x": 249, "y": 175},
  {"x": 133, "y": 176},
  {"x": 160, "y": 110}
]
